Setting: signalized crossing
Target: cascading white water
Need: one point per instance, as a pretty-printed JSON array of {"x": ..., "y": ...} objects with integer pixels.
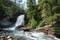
[
  {"x": 20, "y": 21},
  {"x": 29, "y": 36},
  {"x": 39, "y": 36}
]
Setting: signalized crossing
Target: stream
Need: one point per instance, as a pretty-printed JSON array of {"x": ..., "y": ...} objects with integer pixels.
[{"x": 27, "y": 35}]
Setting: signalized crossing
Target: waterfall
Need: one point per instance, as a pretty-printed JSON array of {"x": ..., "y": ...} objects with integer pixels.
[
  {"x": 29, "y": 35},
  {"x": 20, "y": 21}
]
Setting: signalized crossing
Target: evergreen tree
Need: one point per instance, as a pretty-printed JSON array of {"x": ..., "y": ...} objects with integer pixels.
[
  {"x": 31, "y": 12},
  {"x": 50, "y": 13}
]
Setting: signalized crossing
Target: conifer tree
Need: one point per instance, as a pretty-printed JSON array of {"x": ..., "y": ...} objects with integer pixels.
[{"x": 31, "y": 12}]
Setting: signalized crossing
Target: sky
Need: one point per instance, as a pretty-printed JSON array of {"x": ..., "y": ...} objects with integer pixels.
[{"x": 23, "y": 3}]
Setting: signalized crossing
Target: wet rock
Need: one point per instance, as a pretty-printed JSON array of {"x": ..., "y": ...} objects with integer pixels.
[{"x": 4, "y": 24}]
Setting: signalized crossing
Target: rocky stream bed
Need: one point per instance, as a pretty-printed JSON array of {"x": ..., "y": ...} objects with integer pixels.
[{"x": 21, "y": 35}]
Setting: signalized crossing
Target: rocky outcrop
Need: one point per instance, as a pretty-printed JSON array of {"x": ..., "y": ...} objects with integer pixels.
[{"x": 4, "y": 24}]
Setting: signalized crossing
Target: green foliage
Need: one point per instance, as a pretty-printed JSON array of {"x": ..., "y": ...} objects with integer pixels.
[
  {"x": 33, "y": 23},
  {"x": 8, "y": 9},
  {"x": 56, "y": 27},
  {"x": 50, "y": 11},
  {"x": 41, "y": 24},
  {"x": 46, "y": 12},
  {"x": 31, "y": 13}
]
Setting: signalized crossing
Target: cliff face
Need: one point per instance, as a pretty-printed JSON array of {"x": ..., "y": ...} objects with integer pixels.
[{"x": 9, "y": 13}]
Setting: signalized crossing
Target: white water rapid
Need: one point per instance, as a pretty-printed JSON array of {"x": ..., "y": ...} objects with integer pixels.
[{"x": 39, "y": 36}]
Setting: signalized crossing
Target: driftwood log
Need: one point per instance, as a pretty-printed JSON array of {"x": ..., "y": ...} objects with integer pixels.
[{"x": 24, "y": 28}]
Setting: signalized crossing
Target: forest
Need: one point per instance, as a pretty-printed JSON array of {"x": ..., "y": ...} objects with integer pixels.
[{"x": 46, "y": 12}]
